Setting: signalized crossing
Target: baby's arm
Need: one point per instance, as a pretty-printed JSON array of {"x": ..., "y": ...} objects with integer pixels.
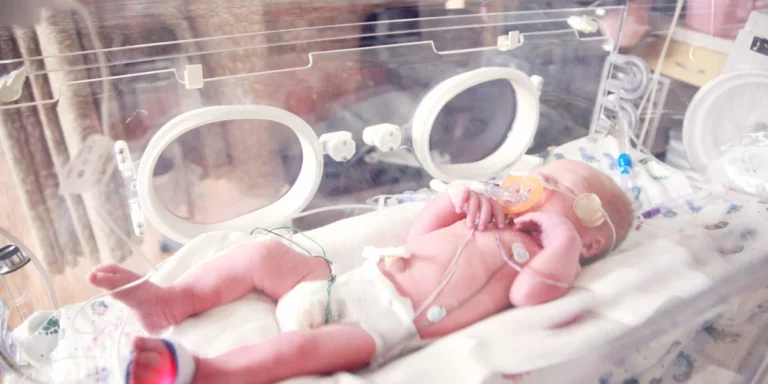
[
  {"x": 453, "y": 205},
  {"x": 558, "y": 259}
]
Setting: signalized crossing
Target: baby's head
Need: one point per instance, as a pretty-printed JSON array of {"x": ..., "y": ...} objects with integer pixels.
[{"x": 577, "y": 178}]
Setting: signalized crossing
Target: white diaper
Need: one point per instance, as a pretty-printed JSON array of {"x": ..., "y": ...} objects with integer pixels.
[{"x": 362, "y": 296}]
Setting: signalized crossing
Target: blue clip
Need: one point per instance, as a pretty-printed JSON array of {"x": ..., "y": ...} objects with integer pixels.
[{"x": 624, "y": 161}]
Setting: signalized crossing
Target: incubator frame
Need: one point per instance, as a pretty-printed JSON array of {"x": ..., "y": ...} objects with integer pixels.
[
  {"x": 518, "y": 140},
  {"x": 523, "y": 129}
]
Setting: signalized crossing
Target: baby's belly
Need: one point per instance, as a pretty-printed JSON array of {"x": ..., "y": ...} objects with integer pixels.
[{"x": 477, "y": 289}]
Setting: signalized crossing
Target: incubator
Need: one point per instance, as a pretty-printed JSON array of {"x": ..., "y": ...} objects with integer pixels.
[{"x": 158, "y": 134}]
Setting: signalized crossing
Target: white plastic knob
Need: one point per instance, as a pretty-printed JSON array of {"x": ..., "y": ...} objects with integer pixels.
[
  {"x": 123, "y": 155},
  {"x": 583, "y": 24},
  {"x": 338, "y": 145},
  {"x": 193, "y": 76},
  {"x": 538, "y": 82},
  {"x": 510, "y": 41},
  {"x": 385, "y": 137},
  {"x": 137, "y": 218}
]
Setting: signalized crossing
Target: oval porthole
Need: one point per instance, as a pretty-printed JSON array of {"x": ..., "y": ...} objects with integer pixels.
[
  {"x": 291, "y": 201},
  {"x": 206, "y": 186},
  {"x": 475, "y": 124}
]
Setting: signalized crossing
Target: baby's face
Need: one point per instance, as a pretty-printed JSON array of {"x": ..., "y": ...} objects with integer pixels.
[{"x": 576, "y": 178}]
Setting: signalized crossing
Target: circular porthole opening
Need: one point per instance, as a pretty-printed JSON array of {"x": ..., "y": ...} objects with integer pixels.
[
  {"x": 209, "y": 187},
  {"x": 476, "y": 124},
  {"x": 247, "y": 117}
]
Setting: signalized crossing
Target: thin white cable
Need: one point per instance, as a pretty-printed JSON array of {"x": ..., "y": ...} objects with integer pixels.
[
  {"x": 304, "y": 29},
  {"x": 657, "y": 73},
  {"x": 102, "y": 295},
  {"x": 13, "y": 302},
  {"x": 49, "y": 286},
  {"x": 315, "y": 28},
  {"x": 116, "y": 346},
  {"x": 331, "y": 208},
  {"x": 605, "y": 214},
  {"x": 446, "y": 277},
  {"x": 113, "y": 226},
  {"x": 520, "y": 269},
  {"x": 712, "y": 25},
  {"x": 151, "y": 273},
  {"x": 111, "y": 292},
  {"x": 660, "y": 61},
  {"x": 121, "y": 331}
]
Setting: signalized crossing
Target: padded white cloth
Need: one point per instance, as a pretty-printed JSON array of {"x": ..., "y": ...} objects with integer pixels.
[
  {"x": 654, "y": 182},
  {"x": 511, "y": 342}
]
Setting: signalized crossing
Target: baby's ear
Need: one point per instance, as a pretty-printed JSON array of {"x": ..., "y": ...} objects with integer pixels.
[{"x": 592, "y": 246}]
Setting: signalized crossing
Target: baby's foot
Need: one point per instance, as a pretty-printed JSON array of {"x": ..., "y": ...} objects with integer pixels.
[
  {"x": 156, "y": 308},
  {"x": 152, "y": 362}
]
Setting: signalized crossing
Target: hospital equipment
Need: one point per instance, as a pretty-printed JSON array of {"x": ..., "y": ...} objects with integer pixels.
[
  {"x": 300, "y": 109},
  {"x": 729, "y": 106}
]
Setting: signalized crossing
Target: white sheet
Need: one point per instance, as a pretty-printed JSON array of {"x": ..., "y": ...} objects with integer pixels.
[
  {"x": 510, "y": 342},
  {"x": 653, "y": 182}
]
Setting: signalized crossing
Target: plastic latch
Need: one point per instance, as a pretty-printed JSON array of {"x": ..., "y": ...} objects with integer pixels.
[
  {"x": 128, "y": 170},
  {"x": 340, "y": 146},
  {"x": 137, "y": 218},
  {"x": 455, "y": 4},
  {"x": 583, "y": 24},
  {"x": 385, "y": 137},
  {"x": 90, "y": 169},
  {"x": 11, "y": 85},
  {"x": 538, "y": 83},
  {"x": 509, "y": 41},
  {"x": 193, "y": 76}
]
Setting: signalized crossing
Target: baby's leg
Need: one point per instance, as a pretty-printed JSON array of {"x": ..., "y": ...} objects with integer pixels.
[
  {"x": 332, "y": 348},
  {"x": 271, "y": 267}
]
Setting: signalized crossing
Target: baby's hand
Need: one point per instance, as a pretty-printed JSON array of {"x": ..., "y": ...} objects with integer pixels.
[{"x": 481, "y": 210}]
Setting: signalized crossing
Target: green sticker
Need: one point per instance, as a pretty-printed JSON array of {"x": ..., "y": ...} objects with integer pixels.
[{"x": 50, "y": 327}]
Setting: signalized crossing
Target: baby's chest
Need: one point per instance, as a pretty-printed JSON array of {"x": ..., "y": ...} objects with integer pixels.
[{"x": 461, "y": 271}]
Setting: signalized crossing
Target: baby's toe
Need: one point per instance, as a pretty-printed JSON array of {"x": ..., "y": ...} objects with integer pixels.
[{"x": 111, "y": 276}]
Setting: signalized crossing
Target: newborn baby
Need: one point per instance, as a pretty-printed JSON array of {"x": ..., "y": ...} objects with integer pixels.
[{"x": 373, "y": 317}]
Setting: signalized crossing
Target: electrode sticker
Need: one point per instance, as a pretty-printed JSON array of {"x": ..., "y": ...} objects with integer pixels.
[
  {"x": 760, "y": 45},
  {"x": 91, "y": 167}
]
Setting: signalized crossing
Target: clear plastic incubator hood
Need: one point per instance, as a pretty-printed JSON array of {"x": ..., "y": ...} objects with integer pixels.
[{"x": 159, "y": 135}]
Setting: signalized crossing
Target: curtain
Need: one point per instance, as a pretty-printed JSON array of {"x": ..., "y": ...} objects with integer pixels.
[
  {"x": 39, "y": 140},
  {"x": 32, "y": 140}
]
